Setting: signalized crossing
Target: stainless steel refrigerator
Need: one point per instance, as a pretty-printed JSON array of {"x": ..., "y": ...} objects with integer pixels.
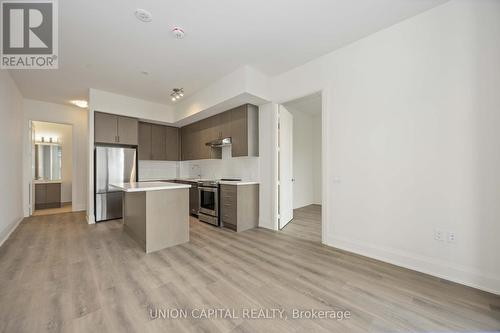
[{"x": 112, "y": 165}]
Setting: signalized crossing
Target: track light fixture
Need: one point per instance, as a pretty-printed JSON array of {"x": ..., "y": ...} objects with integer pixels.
[{"x": 177, "y": 93}]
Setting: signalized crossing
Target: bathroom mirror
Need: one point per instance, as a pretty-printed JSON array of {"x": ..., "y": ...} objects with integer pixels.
[{"x": 48, "y": 161}]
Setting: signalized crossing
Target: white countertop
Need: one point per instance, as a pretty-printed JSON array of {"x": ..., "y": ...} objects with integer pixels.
[
  {"x": 223, "y": 182},
  {"x": 45, "y": 181},
  {"x": 237, "y": 182},
  {"x": 194, "y": 180},
  {"x": 149, "y": 186}
]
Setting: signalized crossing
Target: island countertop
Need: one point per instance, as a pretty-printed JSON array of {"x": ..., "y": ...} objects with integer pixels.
[
  {"x": 148, "y": 186},
  {"x": 155, "y": 214}
]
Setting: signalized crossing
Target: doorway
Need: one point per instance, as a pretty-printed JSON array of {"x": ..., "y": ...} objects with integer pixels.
[
  {"x": 51, "y": 168},
  {"x": 300, "y": 167}
]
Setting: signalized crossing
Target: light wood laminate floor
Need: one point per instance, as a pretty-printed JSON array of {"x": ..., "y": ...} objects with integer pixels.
[
  {"x": 306, "y": 223},
  {"x": 59, "y": 274},
  {"x": 65, "y": 208}
]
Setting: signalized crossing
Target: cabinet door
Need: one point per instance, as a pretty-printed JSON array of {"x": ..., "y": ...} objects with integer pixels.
[
  {"x": 194, "y": 141},
  {"x": 158, "y": 142},
  {"x": 127, "y": 130},
  {"x": 216, "y": 124},
  {"x": 105, "y": 128},
  {"x": 188, "y": 147},
  {"x": 144, "y": 148},
  {"x": 40, "y": 194},
  {"x": 172, "y": 143},
  {"x": 193, "y": 199},
  {"x": 228, "y": 206},
  {"x": 53, "y": 193},
  {"x": 185, "y": 137},
  {"x": 206, "y": 135},
  {"x": 225, "y": 125},
  {"x": 239, "y": 130}
]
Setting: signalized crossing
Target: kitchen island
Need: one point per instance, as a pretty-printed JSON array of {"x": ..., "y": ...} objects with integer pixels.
[{"x": 155, "y": 213}]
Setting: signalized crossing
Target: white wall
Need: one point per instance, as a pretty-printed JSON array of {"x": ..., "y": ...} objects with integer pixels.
[
  {"x": 306, "y": 158},
  {"x": 244, "y": 85},
  {"x": 65, "y": 135},
  {"x": 63, "y": 114},
  {"x": 411, "y": 134},
  {"x": 268, "y": 188},
  {"x": 128, "y": 106},
  {"x": 11, "y": 210},
  {"x": 158, "y": 170}
]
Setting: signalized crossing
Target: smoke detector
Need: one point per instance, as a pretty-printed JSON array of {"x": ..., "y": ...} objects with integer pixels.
[
  {"x": 178, "y": 32},
  {"x": 143, "y": 15}
]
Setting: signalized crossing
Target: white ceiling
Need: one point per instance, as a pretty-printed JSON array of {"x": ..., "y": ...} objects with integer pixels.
[
  {"x": 310, "y": 104},
  {"x": 103, "y": 46}
]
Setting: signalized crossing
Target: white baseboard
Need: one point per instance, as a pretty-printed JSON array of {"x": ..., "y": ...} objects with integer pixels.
[
  {"x": 266, "y": 224},
  {"x": 90, "y": 219},
  {"x": 4, "y": 235},
  {"x": 435, "y": 267}
]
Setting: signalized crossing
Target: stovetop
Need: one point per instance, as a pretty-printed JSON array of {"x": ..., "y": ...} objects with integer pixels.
[{"x": 215, "y": 182}]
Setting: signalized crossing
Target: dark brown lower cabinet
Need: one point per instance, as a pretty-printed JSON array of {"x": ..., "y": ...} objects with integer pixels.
[
  {"x": 47, "y": 195},
  {"x": 239, "y": 206},
  {"x": 194, "y": 198}
]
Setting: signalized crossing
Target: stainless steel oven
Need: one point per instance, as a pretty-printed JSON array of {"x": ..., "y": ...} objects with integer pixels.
[{"x": 208, "y": 211}]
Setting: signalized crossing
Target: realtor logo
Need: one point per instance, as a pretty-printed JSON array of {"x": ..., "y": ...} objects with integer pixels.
[{"x": 29, "y": 35}]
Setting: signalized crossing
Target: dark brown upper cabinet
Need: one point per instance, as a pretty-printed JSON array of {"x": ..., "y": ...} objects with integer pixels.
[
  {"x": 144, "y": 147},
  {"x": 109, "y": 128},
  {"x": 244, "y": 129},
  {"x": 158, "y": 142},
  {"x": 186, "y": 138},
  {"x": 173, "y": 143},
  {"x": 241, "y": 124}
]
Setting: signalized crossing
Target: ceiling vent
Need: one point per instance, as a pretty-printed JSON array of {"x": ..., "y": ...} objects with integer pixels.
[{"x": 143, "y": 15}]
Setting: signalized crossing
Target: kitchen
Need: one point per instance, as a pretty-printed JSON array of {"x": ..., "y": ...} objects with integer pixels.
[{"x": 215, "y": 158}]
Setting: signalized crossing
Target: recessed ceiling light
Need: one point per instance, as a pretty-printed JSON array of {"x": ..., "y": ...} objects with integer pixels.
[
  {"x": 143, "y": 15},
  {"x": 178, "y": 32},
  {"x": 80, "y": 103}
]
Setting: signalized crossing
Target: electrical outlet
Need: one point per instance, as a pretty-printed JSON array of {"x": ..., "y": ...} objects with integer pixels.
[
  {"x": 438, "y": 235},
  {"x": 451, "y": 237}
]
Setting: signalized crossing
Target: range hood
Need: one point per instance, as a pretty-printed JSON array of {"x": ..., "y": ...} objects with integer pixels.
[{"x": 219, "y": 143}]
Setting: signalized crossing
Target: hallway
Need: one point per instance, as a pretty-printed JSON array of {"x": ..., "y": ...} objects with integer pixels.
[{"x": 306, "y": 223}]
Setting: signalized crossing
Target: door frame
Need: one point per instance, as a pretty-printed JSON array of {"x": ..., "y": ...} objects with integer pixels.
[
  {"x": 28, "y": 200},
  {"x": 325, "y": 162},
  {"x": 280, "y": 164}
]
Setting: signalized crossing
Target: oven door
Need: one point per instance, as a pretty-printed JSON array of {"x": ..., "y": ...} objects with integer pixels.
[{"x": 209, "y": 200}]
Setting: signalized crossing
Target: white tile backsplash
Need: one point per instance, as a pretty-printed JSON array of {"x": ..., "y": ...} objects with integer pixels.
[
  {"x": 151, "y": 170},
  {"x": 246, "y": 168}
]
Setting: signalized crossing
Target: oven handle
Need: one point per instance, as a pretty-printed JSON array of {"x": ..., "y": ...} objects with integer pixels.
[{"x": 208, "y": 189}]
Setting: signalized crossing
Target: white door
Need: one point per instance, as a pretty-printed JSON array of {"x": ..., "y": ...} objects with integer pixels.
[{"x": 285, "y": 178}]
